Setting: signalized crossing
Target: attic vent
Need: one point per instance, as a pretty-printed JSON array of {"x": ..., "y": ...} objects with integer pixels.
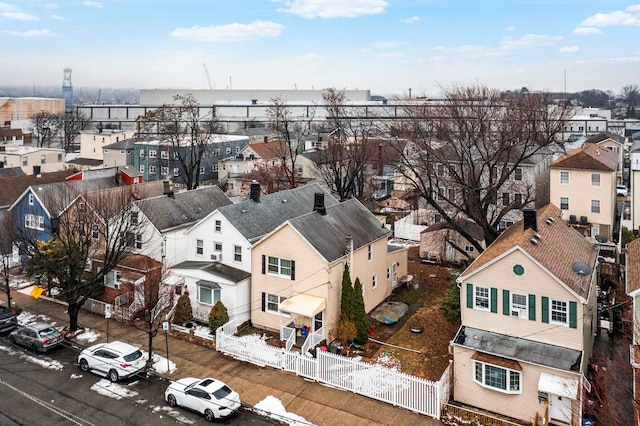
[
  {"x": 284, "y": 200},
  {"x": 533, "y": 241},
  {"x": 550, "y": 220},
  {"x": 537, "y": 236},
  {"x": 243, "y": 211}
]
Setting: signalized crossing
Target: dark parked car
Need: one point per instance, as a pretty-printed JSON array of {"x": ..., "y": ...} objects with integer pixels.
[
  {"x": 8, "y": 319},
  {"x": 37, "y": 336}
]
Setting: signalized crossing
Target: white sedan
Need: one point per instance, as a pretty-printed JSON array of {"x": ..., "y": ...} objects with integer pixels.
[
  {"x": 209, "y": 397},
  {"x": 115, "y": 360}
]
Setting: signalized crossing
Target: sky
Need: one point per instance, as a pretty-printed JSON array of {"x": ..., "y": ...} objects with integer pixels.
[{"x": 390, "y": 47}]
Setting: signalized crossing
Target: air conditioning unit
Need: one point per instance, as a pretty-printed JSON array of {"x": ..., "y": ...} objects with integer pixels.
[
  {"x": 216, "y": 256},
  {"x": 117, "y": 285},
  {"x": 583, "y": 220}
]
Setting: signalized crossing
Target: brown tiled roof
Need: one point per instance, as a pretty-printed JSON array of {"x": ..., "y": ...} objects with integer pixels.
[
  {"x": 633, "y": 265},
  {"x": 269, "y": 149},
  {"x": 588, "y": 157},
  {"x": 14, "y": 186},
  {"x": 557, "y": 249}
]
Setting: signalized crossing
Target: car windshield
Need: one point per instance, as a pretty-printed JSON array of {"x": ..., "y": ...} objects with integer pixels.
[
  {"x": 133, "y": 356},
  {"x": 222, "y": 392},
  {"x": 47, "y": 331}
]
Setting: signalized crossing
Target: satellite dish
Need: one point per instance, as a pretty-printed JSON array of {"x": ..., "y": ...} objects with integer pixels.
[
  {"x": 581, "y": 268},
  {"x": 601, "y": 239}
]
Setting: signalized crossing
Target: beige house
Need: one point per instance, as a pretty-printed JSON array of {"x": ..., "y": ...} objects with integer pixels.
[
  {"x": 32, "y": 160},
  {"x": 297, "y": 269},
  {"x": 439, "y": 242},
  {"x": 528, "y": 311},
  {"x": 118, "y": 154},
  {"x": 92, "y": 142},
  {"x": 583, "y": 184},
  {"x": 613, "y": 143},
  {"x": 632, "y": 277}
]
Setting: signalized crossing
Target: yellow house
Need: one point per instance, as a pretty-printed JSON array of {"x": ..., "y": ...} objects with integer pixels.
[
  {"x": 583, "y": 184},
  {"x": 297, "y": 269},
  {"x": 528, "y": 311}
]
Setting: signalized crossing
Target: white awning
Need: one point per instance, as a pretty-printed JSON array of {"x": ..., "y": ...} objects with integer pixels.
[
  {"x": 557, "y": 385},
  {"x": 303, "y": 304}
]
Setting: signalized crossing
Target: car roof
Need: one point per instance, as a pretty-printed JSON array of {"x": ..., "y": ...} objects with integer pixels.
[
  {"x": 40, "y": 325},
  {"x": 210, "y": 384},
  {"x": 117, "y": 346}
]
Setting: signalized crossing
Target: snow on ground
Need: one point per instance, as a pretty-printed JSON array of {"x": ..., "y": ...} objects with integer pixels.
[
  {"x": 272, "y": 407},
  {"x": 388, "y": 360},
  {"x": 160, "y": 364},
  {"x": 114, "y": 390},
  {"x": 172, "y": 412},
  {"x": 87, "y": 335},
  {"x": 42, "y": 360}
]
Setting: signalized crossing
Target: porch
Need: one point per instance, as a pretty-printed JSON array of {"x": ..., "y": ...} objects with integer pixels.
[{"x": 305, "y": 327}]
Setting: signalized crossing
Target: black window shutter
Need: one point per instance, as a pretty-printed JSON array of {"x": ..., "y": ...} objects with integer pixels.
[
  {"x": 293, "y": 270},
  {"x": 573, "y": 315},
  {"x": 469, "y": 295},
  {"x": 264, "y": 300},
  {"x": 264, "y": 267}
]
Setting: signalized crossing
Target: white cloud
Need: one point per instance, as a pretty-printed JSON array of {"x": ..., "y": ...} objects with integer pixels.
[
  {"x": 411, "y": 20},
  {"x": 387, "y": 44},
  {"x": 5, "y": 6},
  {"x": 528, "y": 40},
  {"x": 569, "y": 49},
  {"x": 57, "y": 17},
  {"x": 230, "y": 33},
  {"x": 475, "y": 51},
  {"x": 95, "y": 4},
  {"x": 329, "y": 9},
  {"x": 510, "y": 29},
  {"x": 586, "y": 31},
  {"x": 633, "y": 8},
  {"x": 613, "y": 19},
  {"x": 30, "y": 33},
  {"x": 19, "y": 16}
]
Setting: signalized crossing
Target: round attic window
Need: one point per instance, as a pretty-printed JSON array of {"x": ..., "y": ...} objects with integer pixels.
[{"x": 518, "y": 270}]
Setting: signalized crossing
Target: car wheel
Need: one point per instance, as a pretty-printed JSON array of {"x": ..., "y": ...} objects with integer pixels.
[
  {"x": 208, "y": 415},
  {"x": 84, "y": 365},
  {"x": 113, "y": 376},
  {"x": 12, "y": 339},
  {"x": 34, "y": 348},
  {"x": 171, "y": 400}
]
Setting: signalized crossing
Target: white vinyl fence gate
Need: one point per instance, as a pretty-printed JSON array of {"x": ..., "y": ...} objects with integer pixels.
[{"x": 375, "y": 381}]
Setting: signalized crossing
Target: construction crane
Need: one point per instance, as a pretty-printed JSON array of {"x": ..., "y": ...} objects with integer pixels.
[{"x": 206, "y": 73}]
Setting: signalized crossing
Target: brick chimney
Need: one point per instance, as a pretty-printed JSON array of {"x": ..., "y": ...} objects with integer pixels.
[{"x": 318, "y": 203}]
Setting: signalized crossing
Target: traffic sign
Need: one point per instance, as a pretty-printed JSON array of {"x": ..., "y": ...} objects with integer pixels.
[
  {"x": 165, "y": 325},
  {"x": 107, "y": 311},
  {"x": 36, "y": 292}
]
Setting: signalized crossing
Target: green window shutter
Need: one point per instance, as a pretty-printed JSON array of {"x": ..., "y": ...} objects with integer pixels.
[
  {"x": 573, "y": 315},
  {"x": 506, "y": 305},
  {"x": 470, "y": 296},
  {"x": 494, "y": 300},
  {"x": 532, "y": 307},
  {"x": 545, "y": 309}
]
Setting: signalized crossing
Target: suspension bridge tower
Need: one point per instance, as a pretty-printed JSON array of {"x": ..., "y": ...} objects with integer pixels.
[{"x": 67, "y": 89}]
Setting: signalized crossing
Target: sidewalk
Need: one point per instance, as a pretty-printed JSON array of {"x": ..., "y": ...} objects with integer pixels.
[{"x": 318, "y": 404}]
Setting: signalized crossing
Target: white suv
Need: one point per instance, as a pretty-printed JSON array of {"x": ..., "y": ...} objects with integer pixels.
[
  {"x": 622, "y": 190},
  {"x": 115, "y": 360}
]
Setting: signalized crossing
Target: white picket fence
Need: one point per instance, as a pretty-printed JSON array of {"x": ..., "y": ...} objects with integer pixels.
[{"x": 372, "y": 380}]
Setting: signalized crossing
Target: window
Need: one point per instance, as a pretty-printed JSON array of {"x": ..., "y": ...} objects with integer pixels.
[
  {"x": 437, "y": 217},
  {"x": 25, "y": 161},
  {"x": 519, "y": 305},
  {"x": 216, "y": 152},
  {"x": 152, "y": 153},
  {"x": 202, "y": 170},
  {"x": 217, "y": 246},
  {"x": 60, "y": 157},
  {"x": 374, "y": 281},
  {"x": 518, "y": 173},
  {"x": 176, "y": 155},
  {"x": 31, "y": 199},
  {"x": 279, "y": 266},
  {"x": 237, "y": 149},
  {"x": 505, "y": 199},
  {"x": 564, "y": 203},
  {"x": 494, "y": 172},
  {"x": 564, "y": 177},
  {"x": 481, "y": 298},
  {"x": 142, "y": 153},
  {"x": 451, "y": 194},
  {"x": 517, "y": 199},
  {"x": 440, "y": 170},
  {"x": 595, "y": 206},
  {"x": 208, "y": 294},
  {"x": 134, "y": 240},
  {"x": 153, "y": 170},
  {"x": 218, "y": 225},
  {"x": 176, "y": 171},
  {"x": 164, "y": 155},
  {"x": 595, "y": 179},
  {"x": 81, "y": 207},
  {"x": 388, "y": 273},
  {"x": 164, "y": 171},
  {"x": 199, "y": 247},
  {"x": 273, "y": 301},
  {"x": 237, "y": 253},
  {"x": 559, "y": 312},
  {"x": 43, "y": 159},
  {"x": 95, "y": 234},
  {"x": 441, "y": 193},
  {"x": 369, "y": 252},
  {"x": 141, "y": 168},
  {"x": 134, "y": 218},
  {"x": 498, "y": 378},
  {"x": 214, "y": 168},
  {"x": 469, "y": 248},
  {"x": 33, "y": 221},
  {"x": 228, "y": 150}
]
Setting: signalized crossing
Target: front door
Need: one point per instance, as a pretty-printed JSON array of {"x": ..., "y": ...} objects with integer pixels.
[
  {"x": 394, "y": 275},
  {"x": 559, "y": 409}
]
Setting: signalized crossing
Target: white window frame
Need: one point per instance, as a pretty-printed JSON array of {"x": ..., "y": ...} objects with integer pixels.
[
  {"x": 215, "y": 295},
  {"x": 271, "y": 300},
  {"x": 217, "y": 246},
  {"x": 164, "y": 170},
  {"x": 568, "y": 205},
  {"x": 142, "y": 153},
  {"x": 481, "y": 376},
  {"x": 374, "y": 282},
  {"x": 595, "y": 206},
  {"x": 218, "y": 226},
  {"x": 31, "y": 199},
  {"x": 518, "y": 309},
  {"x": 369, "y": 252},
  {"x": 164, "y": 155},
  {"x": 278, "y": 266},
  {"x": 565, "y": 177},
  {"x": 595, "y": 179},
  {"x": 201, "y": 170},
  {"x": 479, "y": 298},
  {"x": 558, "y": 308},
  {"x": 95, "y": 231},
  {"x": 141, "y": 168},
  {"x": 153, "y": 170},
  {"x": 199, "y": 247},
  {"x": 33, "y": 221},
  {"x": 237, "y": 253},
  {"x": 152, "y": 153},
  {"x": 176, "y": 171}
]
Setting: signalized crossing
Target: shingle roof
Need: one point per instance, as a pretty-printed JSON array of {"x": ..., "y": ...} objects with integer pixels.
[
  {"x": 216, "y": 268},
  {"x": 183, "y": 208},
  {"x": 11, "y": 171},
  {"x": 122, "y": 144},
  {"x": 588, "y": 157},
  {"x": 254, "y": 220},
  {"x": 557, "y": 249},
  {"x": 633, "y": 266},
  {"x": 55, "y": 197},
  {"x": 328, "y": 233},
  {"x": 603, "y": 136},
  {"x": 13, "y": 187}
]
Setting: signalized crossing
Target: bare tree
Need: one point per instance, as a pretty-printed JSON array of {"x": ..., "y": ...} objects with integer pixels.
[
  {"x": 43, "y": 125},
  {"x": 631, "y": 96},
  {"x": 269, "y": 176},
  {"x": 465, "y": 151},
  {"x": 291, "y": 131},
  {"x": 7, "y": 242},
  {"x": 156, "y": 298},
  {"x": 69, "y": 125},
  {"x": 97, "y": 225},
  {"x": 342, "y": 161},
  {"x": 188, "y": 133}
]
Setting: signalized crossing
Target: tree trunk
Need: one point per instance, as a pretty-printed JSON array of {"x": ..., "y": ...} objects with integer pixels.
[
  {"x": 73, "y": 310},
  {"x": 150, "y": 343}
]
